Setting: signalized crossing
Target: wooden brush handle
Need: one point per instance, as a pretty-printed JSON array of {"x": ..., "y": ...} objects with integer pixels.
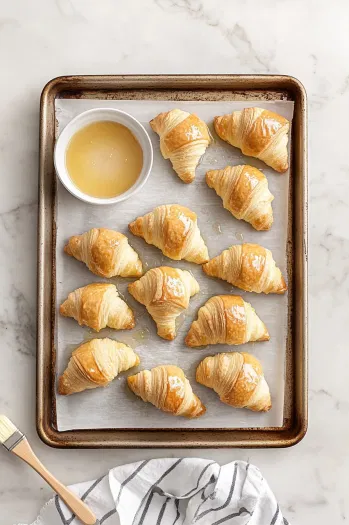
[{"x": 78, "y": 507}]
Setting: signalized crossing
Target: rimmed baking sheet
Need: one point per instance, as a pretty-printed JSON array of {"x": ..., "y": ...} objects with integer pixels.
[{"x": 290, "y": 414}]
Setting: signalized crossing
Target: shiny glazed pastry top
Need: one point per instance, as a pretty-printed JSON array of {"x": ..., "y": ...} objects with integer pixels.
[
  {"x": 226, "y": 319},
  {"x": 249, "y": 267},
  {"x": 96, "y": 363},
  {"x": 238, "y": 379},
  {"x": 173, "y": 229},
  {"x": 245, "y": 193},
  {"x": 167, "y": 388},
  {"x": 183, "y": 139},
  {"x": 165, "y": 292},
  {"x": 105, "y": 252},
  {"x": 258, "y": 133},
  {"x": 98, "y": 305}
]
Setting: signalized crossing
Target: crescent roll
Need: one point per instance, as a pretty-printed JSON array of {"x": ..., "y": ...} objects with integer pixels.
[
  {"x": 96, "y": 363},
  {"x": 238, "y": 380},
  {"x": 183, "y": 139},
  {"x": 245, "y": 193},
  {"x": 106, "y": 253},
  {"x": 165, "y": 292},
  {"x": 226, "y": 319},
  {"x": 249, "y": 267},
  {"x": 167, "y": 388},
  {"x": 258, "y": 133},
  {"x": 98, "y": 305},
  {"x": 173, "y": 229}
]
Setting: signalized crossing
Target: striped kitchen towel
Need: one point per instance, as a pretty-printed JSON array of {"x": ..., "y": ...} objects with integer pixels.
[{"x": 174, "y": 492}]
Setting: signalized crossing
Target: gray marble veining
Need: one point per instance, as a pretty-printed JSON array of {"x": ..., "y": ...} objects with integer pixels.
[{"x": 306, "y": 39}]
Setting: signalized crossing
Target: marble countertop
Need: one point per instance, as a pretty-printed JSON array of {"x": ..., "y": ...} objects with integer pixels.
[{"x": 301, "y": 38}]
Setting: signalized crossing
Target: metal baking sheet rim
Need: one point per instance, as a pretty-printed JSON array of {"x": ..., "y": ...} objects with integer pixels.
[{"x": 184, "y": 87}]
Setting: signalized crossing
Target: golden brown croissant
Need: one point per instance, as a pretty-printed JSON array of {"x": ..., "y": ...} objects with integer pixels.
[
  {"x": 98, "y": 305},
  {"x": 105, "y": 252},
  {"x": 238, "y": 380},
  {"x": 165, "y": 292},
  {"x": 245, "y": 193},
  {"x": 173, "y": 229},
  {"x": 96, "y": 363},
  {"x": 249, "y": 267},
  {"x": 167, "y": 388},
  {"x": 258, "y": 133},
  {"x": 183, "y": 139},
  {"x": 226, "y": 319}
]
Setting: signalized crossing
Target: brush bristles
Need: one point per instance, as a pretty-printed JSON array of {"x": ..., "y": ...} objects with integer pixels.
[{"x": 7, "y": 429}]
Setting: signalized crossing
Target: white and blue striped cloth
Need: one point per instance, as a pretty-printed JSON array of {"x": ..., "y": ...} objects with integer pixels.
[{"x": 174, "y": 492}]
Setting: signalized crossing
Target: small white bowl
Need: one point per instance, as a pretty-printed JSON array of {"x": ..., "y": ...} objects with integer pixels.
[{"x": 96, "y": 115}]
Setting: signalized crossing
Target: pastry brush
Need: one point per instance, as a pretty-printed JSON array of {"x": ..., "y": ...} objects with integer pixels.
[{"x": 14, "y": 441}]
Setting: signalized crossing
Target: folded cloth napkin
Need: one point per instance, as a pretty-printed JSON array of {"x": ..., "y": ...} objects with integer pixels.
[{"x": 174, "y": 492}]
